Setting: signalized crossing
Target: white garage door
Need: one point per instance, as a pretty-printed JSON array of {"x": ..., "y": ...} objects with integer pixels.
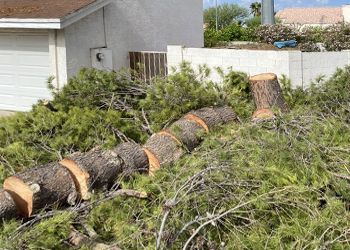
[{"x": 24, "y": 70}]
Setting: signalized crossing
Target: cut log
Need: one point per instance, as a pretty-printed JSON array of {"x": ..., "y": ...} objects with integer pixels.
[
  {"x": 267, "y": 92},
  {"x": 213, "y": 116},
  {"x": 104, "y": 166},
  {"x": 153, "y": 162},
  {"x": 188, "y": 132},
  {"x": 226, "y": 114},
  {"x": 77, "y": 175},
  {"x": 134, "y": 157},
  {"x": 41, "y": 187},
  {"x": 7, "y": 206},
  {"x": 164, "y": 148},
  {"x": 262, "y": 114}
]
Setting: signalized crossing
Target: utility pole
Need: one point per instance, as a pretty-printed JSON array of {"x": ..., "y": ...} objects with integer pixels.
[
  {"x": 268, "y": 12},
  {"x": 217, "y": 15}
]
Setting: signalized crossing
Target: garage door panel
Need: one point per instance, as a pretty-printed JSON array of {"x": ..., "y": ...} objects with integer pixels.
[
  {"x": 7, "y": 91},
  {"x": 31, "y": 71},
  {"x": 33, "y": 81},
  {"x": 24, "y": 103},
  {"x": 24, "y": 70},
  {"x": 33, "y": 93},
  {"x": 33, "y": 60},
  {"x": 7, "y": 101},
  {"x": 33, "y": 42},
  {"x": 7, "y": 80},
  {"x": 7, "y": 59}
]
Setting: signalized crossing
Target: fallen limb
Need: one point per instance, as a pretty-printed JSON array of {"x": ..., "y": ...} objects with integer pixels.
[{"x": 76, "y": 176}]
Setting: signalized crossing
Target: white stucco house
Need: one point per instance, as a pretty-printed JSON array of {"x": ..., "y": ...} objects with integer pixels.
[{"x": 42, "y": 38}]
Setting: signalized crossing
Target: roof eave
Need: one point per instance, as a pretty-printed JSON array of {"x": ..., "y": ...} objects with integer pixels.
[{"x": 52, "y": 23}]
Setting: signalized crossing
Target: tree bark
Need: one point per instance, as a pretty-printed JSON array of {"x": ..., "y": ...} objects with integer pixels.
[
  {"x": 188, "y": 132},
  {"x": 7, "y": 206},
  {"x": 214, "y": 116},
  {"x": 267, "y": 92},
  {"x": 134, "y": 157},
  {"x": 165, "y": 148},
  {"x": 41, "y": 187},
  {"x": 105, "y": 166}
]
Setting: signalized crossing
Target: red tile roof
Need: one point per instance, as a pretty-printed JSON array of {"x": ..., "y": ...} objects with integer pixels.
[
  {"x": 311, "y": 15},
  {"x": 41, "y": 8}
]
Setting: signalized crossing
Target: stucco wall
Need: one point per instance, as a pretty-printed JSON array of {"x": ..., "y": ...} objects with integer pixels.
[
  {"x": 300, "y": 68},
  {"x": 80, "y": 37},
  {"x": 134, "y": 26},
  {"x": 152, "y": 25}
]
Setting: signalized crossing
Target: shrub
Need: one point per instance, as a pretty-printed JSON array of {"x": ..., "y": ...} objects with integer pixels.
[
  {"x": 253, "y": 22},
  {"x": 211, "y": 38},
  {"x": 278, "y": 32},
  {"x": 249, "y": 34},
  {"x": 312, "y": 35},
  {"x": 337, "y": 37},
  {"x": 310, "y": 47},
  {"x": 232, "y": 32}
]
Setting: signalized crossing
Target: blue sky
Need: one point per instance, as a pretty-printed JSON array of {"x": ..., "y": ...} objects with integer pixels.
[{"x": 280, "y": 4}]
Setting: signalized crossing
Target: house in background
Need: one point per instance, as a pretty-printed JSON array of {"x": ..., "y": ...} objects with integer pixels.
[
  {"x": 306, "y": 17},
  {"x": 42, "y": 38}
]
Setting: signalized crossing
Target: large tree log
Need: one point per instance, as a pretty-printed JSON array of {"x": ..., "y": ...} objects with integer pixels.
[
  {"x": 41, "y": 187},
  {"x": 77, "y": 175},
  {"x": 267, "y": 92},
  {"x": 7, "y": 205},
  {"x": 103, "y": 167},
  {"x": 165, "y": 147},
  {"x": 212, "y": 116},
  {"x": 189, "y": 129},
  {"x": 188, "y": 132},
  {"x": 162, "y": 148}
]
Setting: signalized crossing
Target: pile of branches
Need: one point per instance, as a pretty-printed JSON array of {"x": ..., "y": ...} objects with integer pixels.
[{"x": 281, "y": 182}]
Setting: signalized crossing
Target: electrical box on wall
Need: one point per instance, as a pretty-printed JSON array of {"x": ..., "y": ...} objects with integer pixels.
[{"x": 102, "y": 58}]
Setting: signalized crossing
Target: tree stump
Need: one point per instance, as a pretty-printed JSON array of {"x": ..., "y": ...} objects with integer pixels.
[
  {"x": 41, "y": 187},
  {"x": 7, "y": 206},
  {"x": 262, "y": 114},
  {"x": 267, "y": 92}
]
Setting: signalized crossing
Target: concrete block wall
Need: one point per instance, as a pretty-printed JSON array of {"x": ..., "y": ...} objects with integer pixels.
[{"x": 300, "y": 67}]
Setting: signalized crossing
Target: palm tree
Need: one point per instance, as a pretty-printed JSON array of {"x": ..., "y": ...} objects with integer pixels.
[{"x": 256, "y": 9}]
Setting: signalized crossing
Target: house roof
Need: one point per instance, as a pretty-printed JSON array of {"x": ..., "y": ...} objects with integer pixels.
[
  {"x": 50, "y": 14},
  {"x": 331, "y": 15}
]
